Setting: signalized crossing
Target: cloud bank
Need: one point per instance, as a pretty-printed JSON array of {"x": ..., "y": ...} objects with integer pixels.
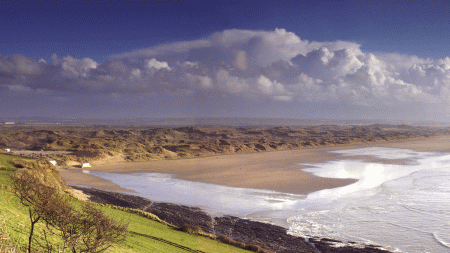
[{"x": 248, "y": 66}]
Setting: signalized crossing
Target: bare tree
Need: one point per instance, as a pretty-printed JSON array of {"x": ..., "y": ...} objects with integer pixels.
[
  {"x": 88, "y": 230},
  {"x": 85, "y": 230},
  {"x": 60, "y": 219},
  {"x": 33, "y": 194},
  {"x": 97, "y": 231}
]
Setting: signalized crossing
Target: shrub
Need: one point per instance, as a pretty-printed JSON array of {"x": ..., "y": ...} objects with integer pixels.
[
  {"x": 230, "y": 241},
  {"x": 254, "y": 248},
  {"x": 250, "y": 247},
  {"x": 85, "y": 230},
  {"x": 191, "y": 229}
]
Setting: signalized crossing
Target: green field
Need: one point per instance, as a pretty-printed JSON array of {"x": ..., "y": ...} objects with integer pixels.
[{"x": 145, "y": 234}]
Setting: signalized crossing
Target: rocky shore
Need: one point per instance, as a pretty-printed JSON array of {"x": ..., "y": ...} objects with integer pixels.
[{"x": 264, "y": 235}]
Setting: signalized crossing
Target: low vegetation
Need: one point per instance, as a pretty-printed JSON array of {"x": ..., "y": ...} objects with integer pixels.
[
  {"x": 88, "y": 144},
  {"x": 85, "y": 230},
  {"x": 38, "y": 215}
]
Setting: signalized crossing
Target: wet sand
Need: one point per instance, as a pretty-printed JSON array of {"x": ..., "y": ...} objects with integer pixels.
[{"x": 276, "y": 170}]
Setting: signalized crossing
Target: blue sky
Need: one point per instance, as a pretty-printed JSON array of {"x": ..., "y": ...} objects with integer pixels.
[
  {"x": 96, "y": 31},
  {"x": 327, "y": 59}
]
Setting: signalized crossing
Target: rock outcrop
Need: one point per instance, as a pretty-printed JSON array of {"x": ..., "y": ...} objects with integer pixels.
[{"x": 265, "y": 235}]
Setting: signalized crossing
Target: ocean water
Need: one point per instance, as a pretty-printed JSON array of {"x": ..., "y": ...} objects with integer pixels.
[
  {"x": 214, "y": 199},
  {"x": 402, "y": 207}
]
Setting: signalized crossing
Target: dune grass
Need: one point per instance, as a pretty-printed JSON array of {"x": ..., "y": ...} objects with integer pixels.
[{"x": 146, "y": 234}]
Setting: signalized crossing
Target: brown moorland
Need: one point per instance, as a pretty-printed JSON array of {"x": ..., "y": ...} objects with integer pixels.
[
  {"x": 117, "y": 149},
  {"x": 90, "y": 143}
]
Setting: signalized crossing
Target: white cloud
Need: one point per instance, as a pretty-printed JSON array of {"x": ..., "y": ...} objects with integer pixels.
[
  {"x": 265, "y": 85},
  {"x": 282, "y": 98},
  {"x": 18, "y": 64},
  {"x": 199, "y": 81},
  {"x": 55, "y": 59},
  {"x": 116, "y": 68},
  {"x": 261, "y": 48},
  {"x": 153, "y": 63},
  {"x": 240, "y": 61},
  {"x": 229, "y": 83},
  {"x": 327, "y": 65},
  {"x": 135, "y": 73},
  {"x": 189, "y": 64},
  {"x": 74, "y": 68},
  {"x": 308, "y": 88},
  {"x": 268, "y": 87},
  {"x": 276, "y": 65},
  {"x": 19, "y": 88},
  {"x": 166, "y": 49}
]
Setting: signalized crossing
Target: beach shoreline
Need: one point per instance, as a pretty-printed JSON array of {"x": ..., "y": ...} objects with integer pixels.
[
  {"x": 291, "y": 158},
  {"x": 279, "y": 171}
]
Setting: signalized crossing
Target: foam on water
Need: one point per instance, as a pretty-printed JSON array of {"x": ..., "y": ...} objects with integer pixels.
[
  {"x": 403, "y": 207},
  {"x": 215, "y": 199}
]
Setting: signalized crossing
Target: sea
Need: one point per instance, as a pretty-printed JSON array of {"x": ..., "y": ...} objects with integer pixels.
[{"x": 401, "y": 206}]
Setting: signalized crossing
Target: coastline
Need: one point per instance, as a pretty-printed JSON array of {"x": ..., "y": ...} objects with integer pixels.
[
  {"x": 316, "y": 155},
  {"x": 265, "y": 235},
  {"x": 275, "y": 170}
]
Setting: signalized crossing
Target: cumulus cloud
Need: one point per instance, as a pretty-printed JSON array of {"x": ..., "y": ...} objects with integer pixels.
[
  {"x": 18, "y": 64},
  {"x": 135, "y": 73},
  {"x": 308, "y": 88},
  {"x": 74, "y": 68},
  {"x": 153, "y": 63},
  {"x": 116, "y": 68},
  {"x": 275, "y": 65},
  {"x": 199, "y": 81},
  {"x": 269, "y": 87},
  {"x": 229, "y": 83}
]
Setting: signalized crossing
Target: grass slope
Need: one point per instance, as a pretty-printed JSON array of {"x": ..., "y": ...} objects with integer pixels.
[{"x": 145, "y": 235}]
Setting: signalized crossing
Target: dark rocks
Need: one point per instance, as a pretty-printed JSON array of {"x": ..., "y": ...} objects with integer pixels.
[
  {"x": 174, "y": 214},
  {"x": 179, "y": 215},
  {"x": 325, "y": 246},
  {"x": 264, "y": 235},
  {"x": 114, "y": 198}
]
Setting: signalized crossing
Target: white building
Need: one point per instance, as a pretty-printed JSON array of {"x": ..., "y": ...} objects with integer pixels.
[
  {"x": 52, "y": 162},
  {"x": 85, "y": 165},
  {"x": 9, "y": 123},
  {"x": 7, "y": 150}
]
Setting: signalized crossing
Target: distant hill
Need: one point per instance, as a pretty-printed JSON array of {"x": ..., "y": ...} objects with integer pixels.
[{"x": 216, "y": 121}]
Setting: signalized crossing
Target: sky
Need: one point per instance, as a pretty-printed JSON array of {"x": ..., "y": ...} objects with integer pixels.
[{"x": 193, "y": 58}]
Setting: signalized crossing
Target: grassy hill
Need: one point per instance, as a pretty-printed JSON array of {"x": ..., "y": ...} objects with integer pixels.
[{"x": 146, "y": 232}]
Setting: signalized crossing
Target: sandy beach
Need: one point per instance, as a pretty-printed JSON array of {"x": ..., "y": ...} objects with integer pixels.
[{"x": 276, "y": 170}]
